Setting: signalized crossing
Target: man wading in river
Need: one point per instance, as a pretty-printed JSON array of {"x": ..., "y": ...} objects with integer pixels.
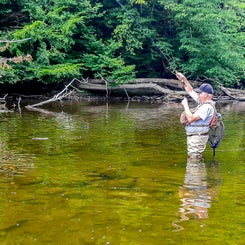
[{"x": 197, "y": 122}]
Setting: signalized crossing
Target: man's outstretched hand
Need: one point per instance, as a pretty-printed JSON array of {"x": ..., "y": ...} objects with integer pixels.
[
  {"x": 181, "y": 77},
  {"x": 184, "y": 102}
]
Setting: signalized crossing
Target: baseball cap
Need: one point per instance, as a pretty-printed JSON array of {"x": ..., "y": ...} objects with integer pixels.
[{"x": 205, "y": 87}]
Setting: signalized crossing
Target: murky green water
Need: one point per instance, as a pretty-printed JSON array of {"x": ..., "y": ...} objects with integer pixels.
[{"x": 116, "y": 174}]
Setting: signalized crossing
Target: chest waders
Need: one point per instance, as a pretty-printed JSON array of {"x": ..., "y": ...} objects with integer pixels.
[{"x": 216, "y": 128}]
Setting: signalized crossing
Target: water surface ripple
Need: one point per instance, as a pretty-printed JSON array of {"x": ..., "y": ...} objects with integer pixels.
[{"x": 117, "y": 173}]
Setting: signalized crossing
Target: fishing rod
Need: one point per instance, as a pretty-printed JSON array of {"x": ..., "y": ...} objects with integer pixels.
[{"x": 215, "y": 135}]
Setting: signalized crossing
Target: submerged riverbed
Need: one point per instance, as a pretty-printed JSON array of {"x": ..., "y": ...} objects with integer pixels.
[{"x": 115, "y": 173}]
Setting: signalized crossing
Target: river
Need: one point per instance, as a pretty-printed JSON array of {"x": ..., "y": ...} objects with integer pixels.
[{"x": 116, "y": 173}]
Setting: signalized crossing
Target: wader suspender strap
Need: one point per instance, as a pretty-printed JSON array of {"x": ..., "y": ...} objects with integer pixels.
[{"x": 214, "y": 116}]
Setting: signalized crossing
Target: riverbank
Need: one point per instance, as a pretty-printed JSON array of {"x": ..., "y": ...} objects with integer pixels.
[{"x": 151, "y": 90}]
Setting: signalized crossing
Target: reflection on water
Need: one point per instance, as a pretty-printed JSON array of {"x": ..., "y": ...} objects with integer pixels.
[
  {"x": 81, "y": 173},
  {"x": 196, "y": 194},
  {"x": 13, "y": 163}
]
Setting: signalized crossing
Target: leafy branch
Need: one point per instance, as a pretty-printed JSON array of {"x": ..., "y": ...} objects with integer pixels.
[{"x": 17, "y": 59}]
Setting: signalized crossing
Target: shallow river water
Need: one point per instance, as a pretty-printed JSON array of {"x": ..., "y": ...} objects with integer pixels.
[{"x": 115, "y": 173}]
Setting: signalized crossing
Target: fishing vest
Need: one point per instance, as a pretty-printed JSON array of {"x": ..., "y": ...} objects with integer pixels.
[{"x": 201, "y": 126}]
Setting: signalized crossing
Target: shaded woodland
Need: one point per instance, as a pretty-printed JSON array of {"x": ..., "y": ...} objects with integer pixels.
[{"x": 121, "y": 43}]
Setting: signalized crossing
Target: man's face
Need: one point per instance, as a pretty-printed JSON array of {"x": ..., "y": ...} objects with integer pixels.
[{"x": 203, "y": 97}]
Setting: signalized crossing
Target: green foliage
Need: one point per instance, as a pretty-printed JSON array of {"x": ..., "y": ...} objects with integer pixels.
[
  {"x": 8, "y": 76},
  {"x": 210, "y": 43},
  {"x": 65, "y": 43},
  {"x": 138, "y": 1},
  {"x": 55, "y": 73},
  {"x": 125, "y": 32},
  {"x": 118, "y": 39},
  {"x": 103, "y": 63},
  {"x": 4, "y": 7}
]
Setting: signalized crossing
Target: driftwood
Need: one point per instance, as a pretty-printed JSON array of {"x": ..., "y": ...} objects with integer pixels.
[
  {"x": 168, "y": 89},
  {"x": 235, "y": 94},
  {"x": 173, "y": 84},
  {"x": 122, "y": 89},
  {"x": 64, "y": 93},
  {"x": 152, "y": 88},
  {"x": 140, "y": 87}
]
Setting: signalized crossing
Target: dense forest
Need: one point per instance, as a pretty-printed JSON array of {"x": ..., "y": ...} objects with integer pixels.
[{"x": 50, "y": 41}]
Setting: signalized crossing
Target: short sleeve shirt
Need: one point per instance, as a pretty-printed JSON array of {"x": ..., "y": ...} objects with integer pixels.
[{"x": 205, "y": 112}]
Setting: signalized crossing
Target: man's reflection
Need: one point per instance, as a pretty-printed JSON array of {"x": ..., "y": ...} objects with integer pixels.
[{"x": 195, "y": 195}]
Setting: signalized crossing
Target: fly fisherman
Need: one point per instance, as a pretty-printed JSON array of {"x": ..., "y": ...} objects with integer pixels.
[{"x": 197, "y": 122}]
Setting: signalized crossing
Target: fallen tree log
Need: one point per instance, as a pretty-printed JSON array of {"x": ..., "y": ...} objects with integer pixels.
[
  {"x": 169, "y": 83},
  {"x": 236, "y": 94},
  {"x": 122, "y": 89},
  {"x": 142, "y": 87},
  {"x": 129, "y": 88},
  {"x": 64, "y": 93},
  {"x": 152, "y": 86}
]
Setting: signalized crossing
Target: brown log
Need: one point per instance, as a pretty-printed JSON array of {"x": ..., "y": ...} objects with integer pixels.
[
  {"x": 170, "y": 83},
  {"x": 64, "y": 93},
  {"x": 146, "y": 86},
  {"x": 235, "y": 94},
  {"x": 143, "y": 88}
]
